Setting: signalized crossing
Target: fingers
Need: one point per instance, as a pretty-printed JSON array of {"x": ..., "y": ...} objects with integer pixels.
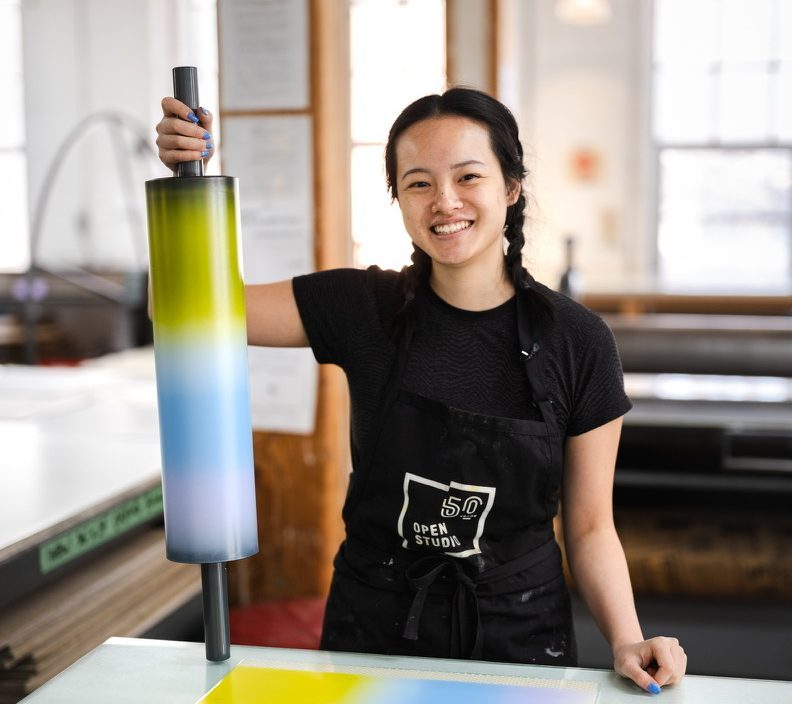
[
  {"x": 671, "y": 660},
  {"x": 652, "y": 663},
  {"x": 175, "y": 113},
  {"x": 629, "y": 666},
  {"x": 205, "y": 117},
  {"x": 183, "y": 135}
]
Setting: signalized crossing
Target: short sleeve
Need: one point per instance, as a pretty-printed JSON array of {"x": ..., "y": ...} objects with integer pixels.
[
  {"x": 342, "y": 311},
  {"x": 326, "y": 300},
  {"x": 598, "y": 390}
]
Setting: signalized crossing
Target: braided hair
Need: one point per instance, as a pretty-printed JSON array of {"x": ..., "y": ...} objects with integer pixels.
[{"x": 504, "y": 140}]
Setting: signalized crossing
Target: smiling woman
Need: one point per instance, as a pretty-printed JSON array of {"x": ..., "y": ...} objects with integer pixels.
[{"x": 479, "y": 399}]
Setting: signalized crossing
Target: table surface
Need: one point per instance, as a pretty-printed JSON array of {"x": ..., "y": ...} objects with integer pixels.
[
  {"x": 75, "y": 441},
  {"x": 131, "y": 670}
]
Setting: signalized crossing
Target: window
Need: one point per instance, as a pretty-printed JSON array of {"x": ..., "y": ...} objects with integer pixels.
[
  {"x": 199, "y": 48},
  {"x": 722, "y": 124},
  {"x": 14, "y": 255},
  {"x": 397, "y": 55},
  {"x": 104, "y": 197}
]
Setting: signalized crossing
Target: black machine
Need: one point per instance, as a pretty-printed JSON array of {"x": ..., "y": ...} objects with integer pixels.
[{"x": 712, "y": 417}]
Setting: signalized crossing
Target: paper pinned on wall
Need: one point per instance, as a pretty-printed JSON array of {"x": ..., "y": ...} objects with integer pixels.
[
  {"x": 264, "y": 54},
  {"x": 272, "y": 157},
  {"x": 283, "y": 385}
]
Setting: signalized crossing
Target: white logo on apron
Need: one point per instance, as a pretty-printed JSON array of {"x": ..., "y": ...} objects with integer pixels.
[{"x": 446, "y": 518}]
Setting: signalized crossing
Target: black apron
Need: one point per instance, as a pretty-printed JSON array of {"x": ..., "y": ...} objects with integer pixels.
[{"x": 450, "y": 549}]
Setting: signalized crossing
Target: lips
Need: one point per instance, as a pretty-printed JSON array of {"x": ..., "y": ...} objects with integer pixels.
[{"x": 451, "y": 227}]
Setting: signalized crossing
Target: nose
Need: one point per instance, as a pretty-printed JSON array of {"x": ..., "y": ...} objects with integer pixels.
[{"x": 446, "y": 200}]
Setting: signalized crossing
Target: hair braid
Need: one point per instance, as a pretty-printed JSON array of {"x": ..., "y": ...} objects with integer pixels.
[
  {"x": 416, "y": 275},
  {"x": 515, "y": 237},
  {"x": 539, "y": 306}
]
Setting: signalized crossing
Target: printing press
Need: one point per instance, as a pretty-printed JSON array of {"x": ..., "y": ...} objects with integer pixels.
[{"x": 703, "y": 486}]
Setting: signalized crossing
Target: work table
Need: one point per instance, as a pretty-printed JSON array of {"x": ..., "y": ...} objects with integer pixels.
[{"x": 129, "y": 670}]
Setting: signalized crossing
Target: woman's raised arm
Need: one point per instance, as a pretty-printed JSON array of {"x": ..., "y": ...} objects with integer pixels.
[{"x": 272, "y": 316}]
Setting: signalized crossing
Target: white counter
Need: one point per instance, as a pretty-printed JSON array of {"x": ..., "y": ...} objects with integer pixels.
[
  {"x": 127, "y": 670},
  {"x": 73, "y": 441}
]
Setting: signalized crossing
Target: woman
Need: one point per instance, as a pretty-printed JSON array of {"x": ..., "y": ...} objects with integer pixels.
[{"x": 479, "y": 398}]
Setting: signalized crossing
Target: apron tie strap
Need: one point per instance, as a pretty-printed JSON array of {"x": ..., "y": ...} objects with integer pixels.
[{"x": 465, "y": 616}]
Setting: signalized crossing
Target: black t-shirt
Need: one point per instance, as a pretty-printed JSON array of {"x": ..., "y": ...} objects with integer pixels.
[{"x": 468, "y": 360}]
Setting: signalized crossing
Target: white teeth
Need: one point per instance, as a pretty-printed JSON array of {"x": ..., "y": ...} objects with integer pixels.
[{"x": 451, "y": 228}]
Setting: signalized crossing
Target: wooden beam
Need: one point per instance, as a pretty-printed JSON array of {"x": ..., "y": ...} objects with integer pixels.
[{"x": 301, "y": 480}]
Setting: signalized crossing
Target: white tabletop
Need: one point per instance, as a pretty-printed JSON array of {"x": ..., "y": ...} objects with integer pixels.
[
  {"x": 131, "y": 670},
  {"x": 74, "y": 442}
]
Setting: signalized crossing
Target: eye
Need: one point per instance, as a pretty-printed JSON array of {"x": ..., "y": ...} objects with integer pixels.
[
  {"x": 418, "y": 184},
  {"x": 470, "y": 177}
]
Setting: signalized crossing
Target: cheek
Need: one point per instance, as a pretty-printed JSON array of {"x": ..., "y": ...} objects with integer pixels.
[
  {"x": 407, "y": 220},
  {"x": 411, "y": 216}
]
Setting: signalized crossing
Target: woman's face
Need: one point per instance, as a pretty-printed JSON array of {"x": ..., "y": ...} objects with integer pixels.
[{"x": 452, "y": 193}]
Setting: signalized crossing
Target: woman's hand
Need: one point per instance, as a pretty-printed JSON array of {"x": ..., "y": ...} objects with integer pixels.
[
  {"x": 183, "y": 135},
  {"x": 652, "y": 663}
]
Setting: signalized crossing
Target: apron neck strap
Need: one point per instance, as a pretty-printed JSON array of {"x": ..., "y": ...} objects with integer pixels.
[{"x": 533, "y": 355}]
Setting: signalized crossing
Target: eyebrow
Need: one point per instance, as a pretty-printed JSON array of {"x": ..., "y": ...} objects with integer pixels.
[{"x": 423, "y": 170}]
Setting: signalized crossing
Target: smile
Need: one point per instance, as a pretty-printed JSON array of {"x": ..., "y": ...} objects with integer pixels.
[{"x": 451, "y": 228}]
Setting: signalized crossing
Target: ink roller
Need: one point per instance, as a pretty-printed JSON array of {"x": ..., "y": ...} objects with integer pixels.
[{"x": 200, "y": 352}]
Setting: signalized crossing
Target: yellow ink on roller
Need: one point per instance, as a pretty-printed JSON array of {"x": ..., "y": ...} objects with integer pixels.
[{"x": 200, "y": 342}]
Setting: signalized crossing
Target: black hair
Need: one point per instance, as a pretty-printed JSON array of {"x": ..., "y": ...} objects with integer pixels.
[{"x": 501, "y": 126}]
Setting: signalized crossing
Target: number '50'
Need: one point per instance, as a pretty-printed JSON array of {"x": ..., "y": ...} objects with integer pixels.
[{"x": 453, "y": 506}]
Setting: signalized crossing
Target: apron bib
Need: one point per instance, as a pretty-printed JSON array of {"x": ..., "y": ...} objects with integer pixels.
[{"x": 450, "y": 549}]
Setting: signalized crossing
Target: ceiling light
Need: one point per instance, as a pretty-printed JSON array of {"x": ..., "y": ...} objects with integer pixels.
[{"x": 583, "y": 12}]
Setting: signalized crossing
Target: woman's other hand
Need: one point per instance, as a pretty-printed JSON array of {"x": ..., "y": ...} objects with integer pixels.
[
  {"x": 184, "y": 135},
  {"x": 652, "y": 663}
]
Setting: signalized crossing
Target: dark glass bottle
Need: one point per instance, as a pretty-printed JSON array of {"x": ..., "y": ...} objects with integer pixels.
[{"x": 570, "y": 279}]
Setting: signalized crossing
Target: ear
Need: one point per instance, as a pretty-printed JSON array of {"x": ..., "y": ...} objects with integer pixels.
[{"x": 513, "y": 190}]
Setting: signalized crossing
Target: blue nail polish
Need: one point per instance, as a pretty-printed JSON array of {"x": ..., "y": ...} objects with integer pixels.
[
  {"x": 204, "y": 154},
  {"x": 204, "y": 111},
  {"x": 209, "y": 145},
  {"x": 654, "y": 688},
  {"x": 206, "y": 135},
  {"x": 191, "y": 117}
]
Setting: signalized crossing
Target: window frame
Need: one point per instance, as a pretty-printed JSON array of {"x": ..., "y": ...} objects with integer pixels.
[
  {"x": 19, "y": 150},
  {"x": 656, "y": 147},
  {"x": 359, "y": 244}
]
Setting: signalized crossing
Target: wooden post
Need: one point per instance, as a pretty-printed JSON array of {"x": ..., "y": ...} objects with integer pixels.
[{"x": 301, "y": 480}]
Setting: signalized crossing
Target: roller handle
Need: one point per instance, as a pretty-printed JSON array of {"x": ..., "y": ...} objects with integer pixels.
[
  {"x": 185, "y": 89},
  {"x": 217, "y": 631}
]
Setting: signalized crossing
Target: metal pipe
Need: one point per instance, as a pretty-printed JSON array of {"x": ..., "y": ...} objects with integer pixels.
[{"x": 217, "y": 632}]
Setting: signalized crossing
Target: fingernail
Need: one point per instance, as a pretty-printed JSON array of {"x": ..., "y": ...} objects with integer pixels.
[
  {"x": 204, "y": 154},
  {"x": 204, "y": 111},
  {"x": 206, "y": 135},
  {"x": 192, "y": 117},
  {"x": 654, "y": 688},
  {"x": 209, "y": 145}
]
